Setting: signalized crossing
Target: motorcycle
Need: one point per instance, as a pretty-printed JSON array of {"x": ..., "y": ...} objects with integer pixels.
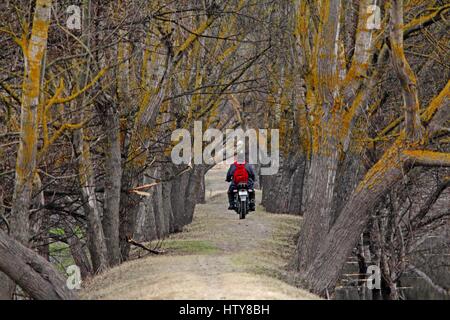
[{"x": 241, "y": 200}]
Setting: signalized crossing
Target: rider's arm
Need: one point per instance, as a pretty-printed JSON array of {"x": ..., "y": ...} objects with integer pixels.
[{"x": 230, "y": 174}]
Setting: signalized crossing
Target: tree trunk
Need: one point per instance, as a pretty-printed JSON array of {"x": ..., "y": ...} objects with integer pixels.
[
  {"x": 202, "y": 191},
  {"x": 408, "y": 81},
  {"x": 78, "y": 253},
  {"x": 31, "y": 272},
  {"x": 167, "y": 205},
  {"x": 282, "y": 193},
  {"x": 113, "y": 156},
  {"x": 194, "y": 189},
  {"x": 350, "y": 171},
  {"x": 129, "y": 206},
  {"x": 39, "y": 221},
  {"x": 7, "y": 285},
  {"x": 179, "y": 191},
  {"x": 113, "y": 183},
  {"x": 96, "y": 238},
  {"x": 146, "y": 226},
  {"x": 161, "y": 222},
  {"x": 327, "y": 116},
  {"x": 33, "y": 51},
  {"x": 324, "y": 272},
  {"x": 320, "y": 184}
]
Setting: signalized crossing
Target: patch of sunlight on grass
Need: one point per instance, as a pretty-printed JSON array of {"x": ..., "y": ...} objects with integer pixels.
[{"x": 190, "y": 246}]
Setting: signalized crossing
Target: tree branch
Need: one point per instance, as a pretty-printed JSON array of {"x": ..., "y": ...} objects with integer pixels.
[{"x": 427, "y": 158}]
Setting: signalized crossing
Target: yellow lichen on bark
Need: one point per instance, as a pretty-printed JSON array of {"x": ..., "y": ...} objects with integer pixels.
[
  {"x": 427, "y": 157},
  {"x": 436, "y": 103},
  {"x": 33, "y": 51},
  {"x": 392, "y": 158},
  {"x": 194, "y": 35}
]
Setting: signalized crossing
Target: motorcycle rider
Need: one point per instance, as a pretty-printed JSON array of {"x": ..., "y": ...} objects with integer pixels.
[{"x": 240, "y": 172}]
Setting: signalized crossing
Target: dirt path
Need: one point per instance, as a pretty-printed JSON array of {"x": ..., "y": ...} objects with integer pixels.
[{"x": 218, "y": 256}]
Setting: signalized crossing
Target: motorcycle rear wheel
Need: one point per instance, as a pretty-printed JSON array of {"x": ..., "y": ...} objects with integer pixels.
[{"x": 242, "y": 210}]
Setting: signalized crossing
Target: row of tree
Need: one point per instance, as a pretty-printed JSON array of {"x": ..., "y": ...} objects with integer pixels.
[
  {"x": 87, "y": 111},
  {"x": 370, "y": 130}
]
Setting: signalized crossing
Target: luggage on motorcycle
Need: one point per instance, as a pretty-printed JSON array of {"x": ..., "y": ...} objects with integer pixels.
[{"x": 240, "y": 174}]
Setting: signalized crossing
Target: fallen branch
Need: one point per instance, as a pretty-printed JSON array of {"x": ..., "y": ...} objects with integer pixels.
[
  {"x": 140, "y": 245},
  {"x": 145, "y": 186}
]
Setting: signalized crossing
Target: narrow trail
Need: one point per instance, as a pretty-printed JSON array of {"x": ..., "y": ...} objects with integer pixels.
[{"x": 218, "y": 256}]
